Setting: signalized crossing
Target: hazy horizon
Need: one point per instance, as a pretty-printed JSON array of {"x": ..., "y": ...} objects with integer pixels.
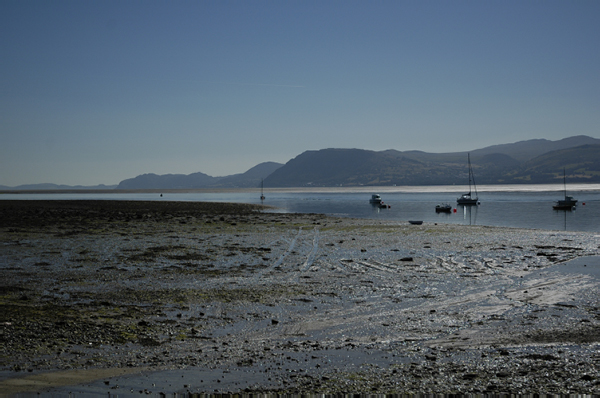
[{"x": 97, "y": 92}]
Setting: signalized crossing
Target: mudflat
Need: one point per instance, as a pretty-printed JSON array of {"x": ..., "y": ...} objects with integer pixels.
[{"x": 175, "y": 297}]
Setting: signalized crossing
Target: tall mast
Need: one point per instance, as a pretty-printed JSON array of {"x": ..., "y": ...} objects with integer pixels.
[
  {"x": 565, "y": 180},
  {"x": 470, "y": 172},
  {"x": 473, "y": 176}
]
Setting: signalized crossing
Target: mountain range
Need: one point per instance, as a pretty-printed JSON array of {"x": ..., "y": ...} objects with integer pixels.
[{"x": 532, "y": 161}]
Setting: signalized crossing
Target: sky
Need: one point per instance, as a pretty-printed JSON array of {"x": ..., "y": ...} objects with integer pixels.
[{"x": 94, "y": 92}]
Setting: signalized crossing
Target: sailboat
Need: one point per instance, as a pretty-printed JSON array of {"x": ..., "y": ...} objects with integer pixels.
[
  {"x": 568, "y": 202},
  {"x": 262, "y": 183},
  {"x": 467, "y": 199}
]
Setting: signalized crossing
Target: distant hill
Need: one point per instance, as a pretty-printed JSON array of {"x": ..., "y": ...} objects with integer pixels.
[
  {"x": 527, "y": 150},
  {"x": 581, "y": 164},
  {"x": 168, "y": 181},
  {"x": 509, "y": 165},
  {"x": 250, "y": 178},
  {"x": 334, "y": 167}
]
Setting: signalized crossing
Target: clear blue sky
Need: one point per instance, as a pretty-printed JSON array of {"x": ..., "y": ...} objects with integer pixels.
[{"x": 93, "y": 92}]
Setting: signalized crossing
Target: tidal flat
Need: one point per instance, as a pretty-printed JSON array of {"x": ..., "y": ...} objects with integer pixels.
[{"x": 130, "y": 297}]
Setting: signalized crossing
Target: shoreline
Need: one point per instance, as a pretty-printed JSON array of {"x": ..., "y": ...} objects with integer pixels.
[
  {"x": 255, "y": 302},
  {"x": 555, "y": 187}
]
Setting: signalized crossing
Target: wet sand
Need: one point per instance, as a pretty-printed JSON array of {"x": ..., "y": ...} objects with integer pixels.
[{"x": 173, "y": 297}]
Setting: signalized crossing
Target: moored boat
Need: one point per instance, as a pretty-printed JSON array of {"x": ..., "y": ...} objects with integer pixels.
[
  {"x": 377, "y": 202},
  {"x": 375, "y": 199},
  {"x": 468, "y": 199},
  {"x": 568, "y": 203},
  {"x": 443, "y": 208}
]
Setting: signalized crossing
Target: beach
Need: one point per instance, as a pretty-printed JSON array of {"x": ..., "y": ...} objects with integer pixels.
[{"x": 126, "y": 297}]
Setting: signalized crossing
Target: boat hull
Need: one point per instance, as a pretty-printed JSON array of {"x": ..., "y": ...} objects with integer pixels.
[
  {"x": 466, "y": 200},
  {"x": 563, "y": 207}
]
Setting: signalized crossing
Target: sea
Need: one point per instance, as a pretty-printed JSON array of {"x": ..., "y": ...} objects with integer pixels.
[{"x": 517, "y": 206}]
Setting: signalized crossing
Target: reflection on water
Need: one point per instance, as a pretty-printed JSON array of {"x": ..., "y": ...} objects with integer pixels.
[
  {"x": 470, "y": 214},
  {"x": 565, "y": 212}
]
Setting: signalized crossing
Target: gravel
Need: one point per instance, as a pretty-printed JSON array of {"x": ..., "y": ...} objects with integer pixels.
[{"x": 226, "y": 298}]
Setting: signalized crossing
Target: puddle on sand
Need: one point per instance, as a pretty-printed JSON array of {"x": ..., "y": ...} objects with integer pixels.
[
  {"x": 589, "y": 265},
  {"x": 172, "y": 382},
  {"x": 275, "y": 373}
]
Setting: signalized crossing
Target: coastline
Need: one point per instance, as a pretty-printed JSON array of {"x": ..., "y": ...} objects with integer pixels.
[
  {"x": 290, "y": 303},
  {"x": 557, "y": 187}
]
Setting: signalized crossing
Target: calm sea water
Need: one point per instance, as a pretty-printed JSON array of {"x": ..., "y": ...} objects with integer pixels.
[{"x": 521, "y": 206}]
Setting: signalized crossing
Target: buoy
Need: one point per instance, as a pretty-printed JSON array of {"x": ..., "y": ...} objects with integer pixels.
[
  {"x": 583, "y": 204},
  {"x": 455, "y": 209}
]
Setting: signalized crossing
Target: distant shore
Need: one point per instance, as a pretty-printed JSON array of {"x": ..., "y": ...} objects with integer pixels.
[
  {"x": 175, "y": 297},
  {"x": 367, "y": 189}
]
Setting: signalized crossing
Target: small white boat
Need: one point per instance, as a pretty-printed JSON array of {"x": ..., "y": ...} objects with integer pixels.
[{"x": 375, "y": 199}]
